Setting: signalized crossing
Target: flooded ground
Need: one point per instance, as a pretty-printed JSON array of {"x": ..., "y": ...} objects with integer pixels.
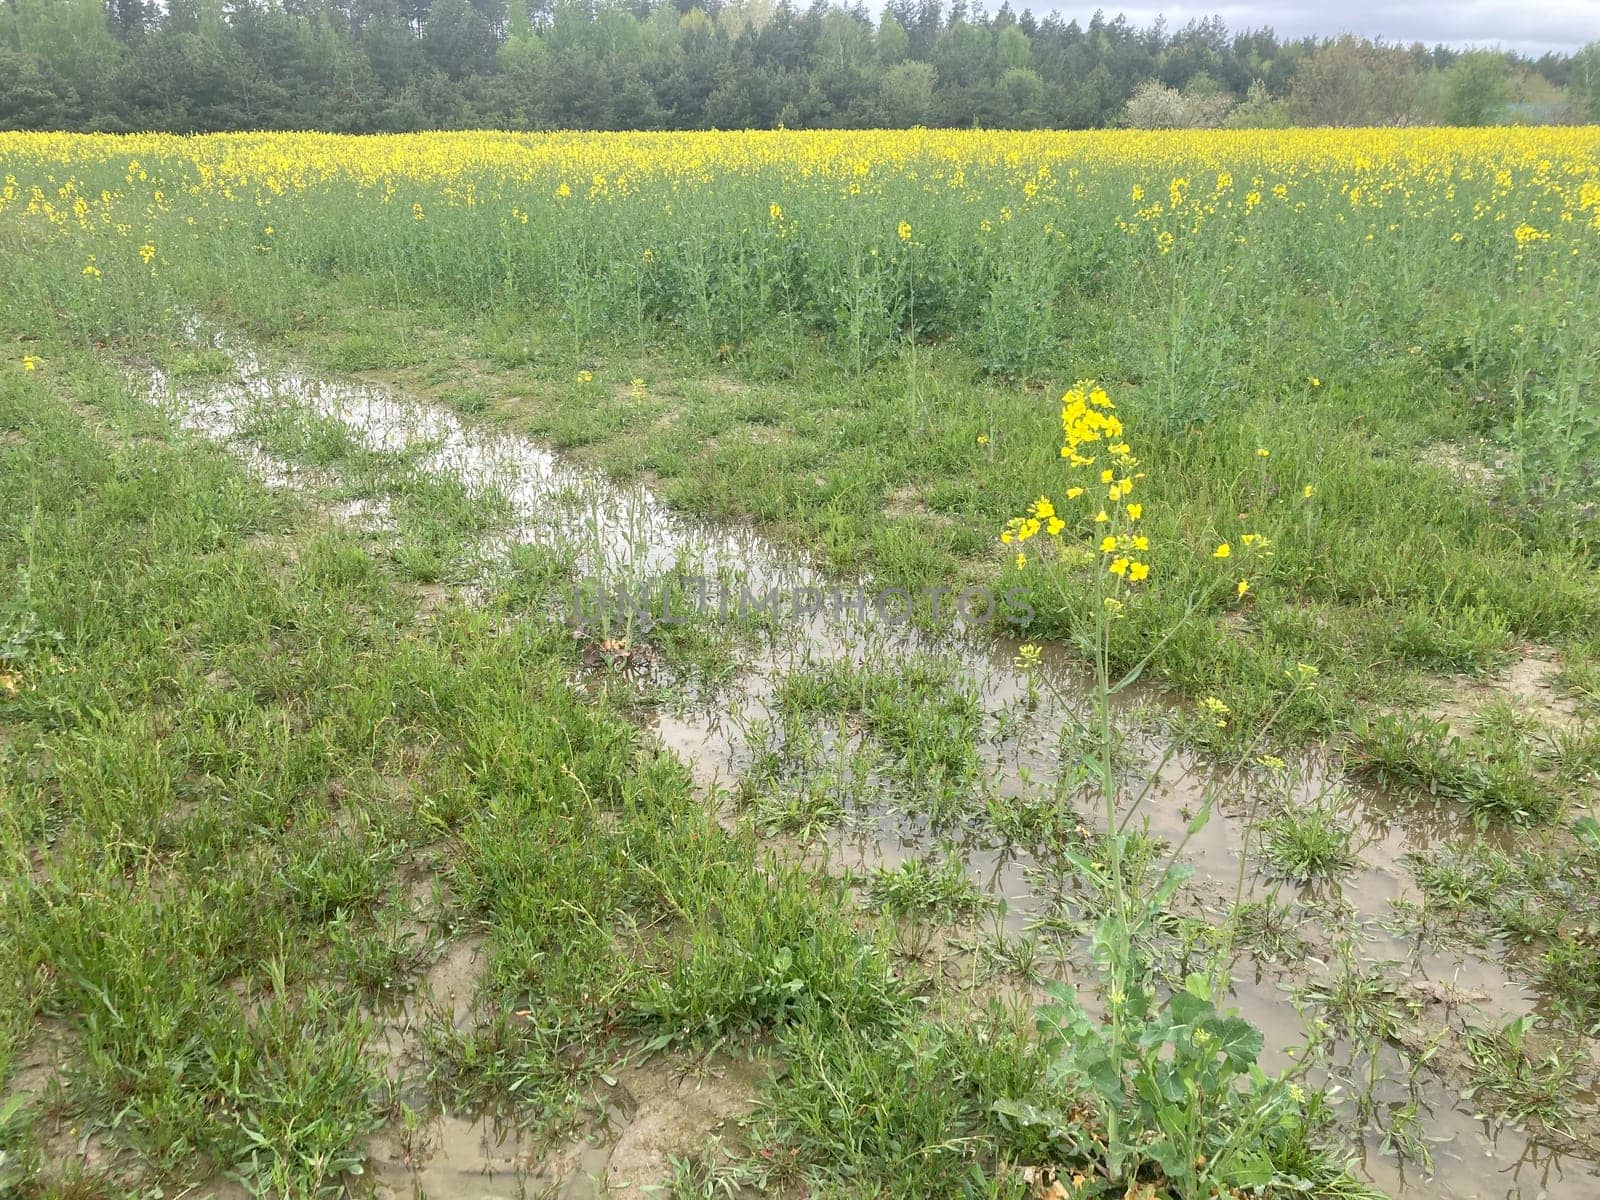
[
  {"x": 648, "y": 1116},
  {"x": 795, "y": 731}
]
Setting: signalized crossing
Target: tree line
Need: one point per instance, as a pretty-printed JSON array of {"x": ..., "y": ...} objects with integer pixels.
[{"x": 365, "y": 66}]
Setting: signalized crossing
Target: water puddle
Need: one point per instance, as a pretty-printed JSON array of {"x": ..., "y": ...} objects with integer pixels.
[
  {"x": 796, "y": 732},
  {"x": 488, "y": 1159},
  {"x": 646, "y": 1116}
]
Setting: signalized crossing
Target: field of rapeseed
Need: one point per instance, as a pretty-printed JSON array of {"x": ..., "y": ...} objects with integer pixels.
[
  {"x": 989, "y": 238},
  {"x": 290, "y": 743}
]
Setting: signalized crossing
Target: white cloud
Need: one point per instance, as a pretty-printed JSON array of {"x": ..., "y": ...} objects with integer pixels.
[{"x": 1532, "y": 28}]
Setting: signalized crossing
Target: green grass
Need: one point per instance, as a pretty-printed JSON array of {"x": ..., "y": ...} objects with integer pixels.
[
  {"x": 920, "y": 887},
  {"x": 884, "y": 475},
  {"x": 926, "y": 721},
  {"x": 1493, "y": 775},
  {"x": 801, "y": 784},
  {"x": 1533, "y": 894},
  {"x": 1531, "y": 1088},
  {"x": 920, "y": 1102},
  {"x": 1308, "y": 844},
  {"x": 235, "y": 751},
  {"x": 228, "y": 745}
]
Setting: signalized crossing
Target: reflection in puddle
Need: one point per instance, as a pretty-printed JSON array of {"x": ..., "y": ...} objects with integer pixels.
[{"x": 621, "y": 534}]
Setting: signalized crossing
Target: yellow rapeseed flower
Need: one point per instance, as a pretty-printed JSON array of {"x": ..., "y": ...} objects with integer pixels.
[{"x": 1087, "y": 419}]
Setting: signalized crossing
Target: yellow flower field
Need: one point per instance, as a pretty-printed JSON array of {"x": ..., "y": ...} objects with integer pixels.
[
  {"x": 866, "y": 238},
  {"x": 711, "y": 229}
]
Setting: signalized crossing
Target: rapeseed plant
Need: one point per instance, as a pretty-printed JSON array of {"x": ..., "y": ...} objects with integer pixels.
[{"x": 1172, "y": 1083}]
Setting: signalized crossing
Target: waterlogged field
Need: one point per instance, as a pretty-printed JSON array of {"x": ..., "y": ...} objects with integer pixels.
[{"x": 512, "y": 677}]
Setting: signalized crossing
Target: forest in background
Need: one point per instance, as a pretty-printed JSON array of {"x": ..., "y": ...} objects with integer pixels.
[{"x": 364, "y": 66}]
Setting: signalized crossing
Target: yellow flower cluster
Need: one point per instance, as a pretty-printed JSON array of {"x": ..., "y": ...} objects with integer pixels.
[
  {"x": 1092, "y": 434},
  {"x": 1094, "y": 441}
]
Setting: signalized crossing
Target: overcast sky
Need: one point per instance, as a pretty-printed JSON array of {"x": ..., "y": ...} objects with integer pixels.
[{"x": 1531, "y": 26}]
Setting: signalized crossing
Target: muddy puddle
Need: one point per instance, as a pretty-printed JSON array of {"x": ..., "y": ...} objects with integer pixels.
[
  {"x": 638, "y": 1127},
  {"x": 655, "y": 566}
]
